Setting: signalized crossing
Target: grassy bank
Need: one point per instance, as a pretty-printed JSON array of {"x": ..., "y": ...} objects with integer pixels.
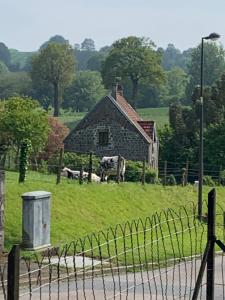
[{"x": 79, "y": 210}]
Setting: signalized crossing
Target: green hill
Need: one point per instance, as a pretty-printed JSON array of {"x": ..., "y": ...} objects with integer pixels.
[{"x": 79, "y": 210}]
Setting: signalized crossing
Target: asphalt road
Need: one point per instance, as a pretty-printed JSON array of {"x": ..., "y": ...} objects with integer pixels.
[{"x": 174, "y": 283}]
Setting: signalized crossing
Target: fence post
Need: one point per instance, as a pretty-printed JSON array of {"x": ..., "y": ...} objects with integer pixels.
[
  {"x": 212, "y": 238},
  {"x": 90, "y": 167},
  {"x": 219, "y": 177},
  {"x": 224, "y": 226},
  {"x": 58, "y": 178},
  {"x": 143, "y": 173},
  {"x": 2, "y": 210},
  {"x": 13, "y": 273},
  {"x": 118, "y": 169},
  {"x": 165, "y": 171},
  {"x": 81, "y": 179},
  {"x": 183, "y": 170},
  {"x": 186, "y": 173}
]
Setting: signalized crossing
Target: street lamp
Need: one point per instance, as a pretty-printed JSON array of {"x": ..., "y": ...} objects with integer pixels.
[{"x": 213, "y": 36}]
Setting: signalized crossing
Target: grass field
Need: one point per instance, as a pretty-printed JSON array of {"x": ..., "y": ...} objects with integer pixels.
[
  {"x": 159, "y": 114},
  {"x": 79, "y": 210}
]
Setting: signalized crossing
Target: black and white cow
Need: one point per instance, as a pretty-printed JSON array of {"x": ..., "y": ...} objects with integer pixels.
[
  {"x": 72, "y": 174},
  {"x": 108, "y": 166}
]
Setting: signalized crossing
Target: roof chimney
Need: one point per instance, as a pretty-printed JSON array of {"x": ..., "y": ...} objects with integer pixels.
[
  {"x": 114, "y": 91},
  {"x": 117, "y": 88},
  {"x": 120, "y": 89}
]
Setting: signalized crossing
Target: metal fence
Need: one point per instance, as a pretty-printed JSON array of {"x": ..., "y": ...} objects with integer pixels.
[{"x": 154, "y": 258}]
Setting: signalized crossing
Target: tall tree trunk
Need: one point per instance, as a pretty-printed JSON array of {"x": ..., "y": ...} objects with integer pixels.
[
  {"x": 56, "y": 100},
  {"x": 134, "y": 92}
]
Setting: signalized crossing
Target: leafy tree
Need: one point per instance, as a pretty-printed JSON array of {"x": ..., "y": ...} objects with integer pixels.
[
  {"x": 94, "y": 63},
  {"x": 84, "y": 92},
  {"x": 77, "y": 46},
  {"x": 148, "y": 95},
  {"x": 171, "y": 57},
  {"x": 54, "y": 65},
  {"x": 181, "y": 142},
  {"x": 175, "y": 85},
  {"x": 24, "y": 159},
  {"x": 213, "y": 105},
  {"x": 3, "y": 68},
  {"x": 82, "y": 58},
  {"x": 214, "y": 65},
  {"x": 4, "y": 54},
  {"x": 88, "y": 45},
  {"x": 56, "y": 136},
  {"x": 105, "y": 50},
  {"x": 15, "y": 84},
  {"x": 21, "y": 119},
  {"x": 133, "y": 58},
  {"x": 20, "y": 61},
  {"x": 56, "y": 39},
  {"x": 214, "y": 145}
]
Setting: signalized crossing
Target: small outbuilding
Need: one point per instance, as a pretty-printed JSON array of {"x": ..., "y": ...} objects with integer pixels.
[{"x": 112, "y": 128}]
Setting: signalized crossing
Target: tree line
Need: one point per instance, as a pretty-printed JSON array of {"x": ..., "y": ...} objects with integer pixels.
[
  {"x": 75, "y": 78},
  {"x": 151, "y": 76}
]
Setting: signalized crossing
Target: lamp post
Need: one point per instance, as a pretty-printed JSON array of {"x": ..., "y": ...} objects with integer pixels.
[{"x": 213, "y": 36}]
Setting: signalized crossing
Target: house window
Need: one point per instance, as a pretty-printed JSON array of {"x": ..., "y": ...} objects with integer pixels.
[{"x": 103, "y": 138}]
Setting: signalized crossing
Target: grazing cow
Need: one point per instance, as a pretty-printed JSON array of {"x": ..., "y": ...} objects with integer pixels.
[
  {"x": 109, "y": 165},
  {"x": 66, "y": 172},
  {"x": 95, "y": 178}
]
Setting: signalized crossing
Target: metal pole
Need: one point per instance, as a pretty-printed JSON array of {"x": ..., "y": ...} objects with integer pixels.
[
  {"x": 118, "y": 169},
  {"x": 201, "y": 272},
  {"x": 81, "y": 177},
  {"x": 13, "y": 273},
  {"x": 212, "y": 238},
  {"x": 2, "y": 209},
  {"x": 90, "y": 167},
  {"x": 200, "y": 179}
]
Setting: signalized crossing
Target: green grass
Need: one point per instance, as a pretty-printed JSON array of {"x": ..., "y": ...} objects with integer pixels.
[
  {"x": 159, "y": 114},
  {"x": 79, "y": 210},
  {"x": 70, "y": 119}
]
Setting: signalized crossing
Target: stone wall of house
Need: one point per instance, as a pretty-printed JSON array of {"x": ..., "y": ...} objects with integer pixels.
[{"x": 124, "y": 138}]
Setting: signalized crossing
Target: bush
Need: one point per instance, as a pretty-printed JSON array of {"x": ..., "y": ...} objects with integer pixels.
[
  {"x": 170, "y": 180},
  {"x": 151, "y": 176},
  {"x": 207, "y": 180},
  {"x": 222, "y": 177},
  {"x": 134, "y": 170}
]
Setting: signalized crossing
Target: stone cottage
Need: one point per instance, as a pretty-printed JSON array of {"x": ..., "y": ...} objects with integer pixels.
[{"x": 113, "y": 127}]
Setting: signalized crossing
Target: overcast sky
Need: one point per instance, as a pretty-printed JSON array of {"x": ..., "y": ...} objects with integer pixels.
[{"x": 26, "y": 24}]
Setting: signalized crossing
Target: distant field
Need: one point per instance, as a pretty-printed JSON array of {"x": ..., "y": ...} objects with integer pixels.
[
  {"x": 71, "y": 119},
  {"x": 159, "y": 114}
]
